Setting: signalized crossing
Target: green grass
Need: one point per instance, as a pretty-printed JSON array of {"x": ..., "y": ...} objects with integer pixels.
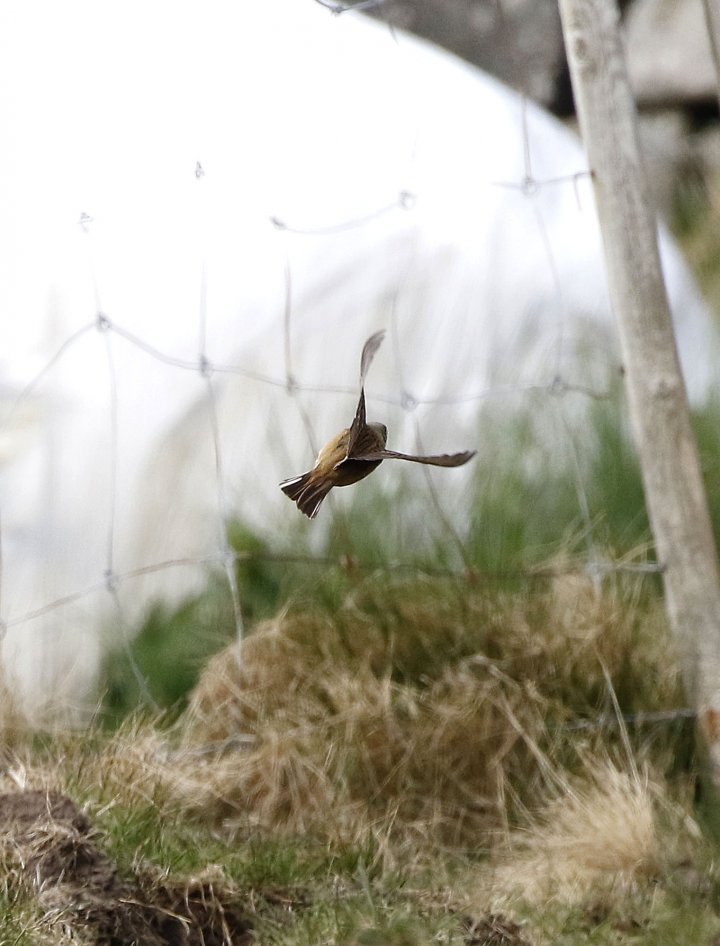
[
  {"x": 651, "y": 917},
  {"x": 20, "y": 921},
  {"x": 169, "y": 652},
  {"x": 695, "y": 224},
  {"x": 301, "y": 892}
]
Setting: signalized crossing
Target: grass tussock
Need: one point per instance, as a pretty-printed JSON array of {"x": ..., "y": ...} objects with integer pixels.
[
  {"x": 357, "y": 749},
  {"x": 433, "y": 705},
  {"x": 605, "y": 832}
]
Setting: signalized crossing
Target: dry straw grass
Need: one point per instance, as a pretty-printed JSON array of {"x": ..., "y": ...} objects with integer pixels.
[
  {"x": 422, "y": 709},
  {"x": 602, "y": 834},
  {"x": 425, "y": 704}
]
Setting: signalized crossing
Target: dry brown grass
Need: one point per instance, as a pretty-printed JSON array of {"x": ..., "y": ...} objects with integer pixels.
[
  {"x": 602, "y": 834},
  {"x": 418, "y": 709},
  {"x": 431, "y": 710},
  {"x": 337, "y": 746}
]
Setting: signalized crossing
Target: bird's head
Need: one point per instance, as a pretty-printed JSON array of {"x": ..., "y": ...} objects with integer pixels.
[{"x": 380, "y": 430}]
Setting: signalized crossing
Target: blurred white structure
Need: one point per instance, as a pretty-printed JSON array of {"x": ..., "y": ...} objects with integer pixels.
[{"x": 148, "y": 148}]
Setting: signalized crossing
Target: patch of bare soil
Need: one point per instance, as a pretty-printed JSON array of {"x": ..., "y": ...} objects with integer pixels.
[{"x": 50, "y": 846}]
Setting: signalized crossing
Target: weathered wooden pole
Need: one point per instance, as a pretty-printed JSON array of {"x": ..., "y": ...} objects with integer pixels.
[
  {"x": 658, "y": 407},
  {"x": 712, "y": 18}
]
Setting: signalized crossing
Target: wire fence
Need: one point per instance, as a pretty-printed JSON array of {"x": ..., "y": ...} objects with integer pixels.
[{"x": 148, "y": 402}]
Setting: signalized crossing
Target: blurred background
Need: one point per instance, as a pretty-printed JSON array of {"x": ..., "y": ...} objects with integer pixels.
[{"x": 671, "y": 69}]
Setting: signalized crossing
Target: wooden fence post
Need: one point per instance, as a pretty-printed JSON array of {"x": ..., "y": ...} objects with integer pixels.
[
  {"x": 712, "y": 18},
  {"x": 659, "y": 413}
]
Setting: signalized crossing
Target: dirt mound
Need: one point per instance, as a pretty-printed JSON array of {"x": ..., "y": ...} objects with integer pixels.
[
  {"x": 494, "y": 930},
  {"x": 52, "y": 849}
]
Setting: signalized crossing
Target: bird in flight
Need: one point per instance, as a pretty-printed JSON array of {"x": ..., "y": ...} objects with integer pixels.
[{"x": 355, "y": 452}]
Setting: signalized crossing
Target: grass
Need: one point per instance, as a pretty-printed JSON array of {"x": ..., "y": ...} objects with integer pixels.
[
  {"x": 397, "y": 760},
  {"x": 650, "y": 884},
  {"x": 695, "y": 223}
]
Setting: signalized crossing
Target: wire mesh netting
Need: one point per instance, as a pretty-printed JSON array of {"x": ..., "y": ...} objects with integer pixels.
[{"x": 206, "y": 213}]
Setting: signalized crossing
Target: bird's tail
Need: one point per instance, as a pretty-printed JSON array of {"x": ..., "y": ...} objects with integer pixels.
[{"x": 307, "y": 491}]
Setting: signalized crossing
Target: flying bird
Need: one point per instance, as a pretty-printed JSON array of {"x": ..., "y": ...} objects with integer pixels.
[{"x": 355, "y": 452}]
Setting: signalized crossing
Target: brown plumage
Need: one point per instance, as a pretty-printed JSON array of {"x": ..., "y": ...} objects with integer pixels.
[{"x": 355, "y": 452}]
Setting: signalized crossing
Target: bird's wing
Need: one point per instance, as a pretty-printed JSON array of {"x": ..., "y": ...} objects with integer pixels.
[
  {"x": 368, "y": 353},
  {"x": 359, "y": 423},
  {"x": 442, "y": 459},
  {"x": 358, "y": 426}
]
